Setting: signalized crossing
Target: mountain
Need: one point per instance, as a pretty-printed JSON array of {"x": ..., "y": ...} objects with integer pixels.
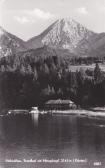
[
  {"x": 10, "y": 44},
  {"x": 36, "y": 42},
  {"x": 99, "y": 46},
  {"x": 66, "y": 34}
]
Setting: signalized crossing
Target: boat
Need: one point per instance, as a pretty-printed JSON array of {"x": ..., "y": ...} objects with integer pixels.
[
  {"x": 17, "y": 111},
  {"x": 43, "y": 112},
  {"x": 9, "y": 112},
  {"x": 34, "y": 110}
]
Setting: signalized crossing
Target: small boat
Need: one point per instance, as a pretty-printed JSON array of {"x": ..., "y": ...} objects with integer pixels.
[
  {"x": 17, "y": 111},
  {"x": 9, "y": 112},
  {"x": 43, "y": 112},
  {"x": 34, "y": 110}
]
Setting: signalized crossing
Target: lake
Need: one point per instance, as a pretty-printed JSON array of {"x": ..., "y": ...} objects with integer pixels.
[{"x": 56, "y": 141}]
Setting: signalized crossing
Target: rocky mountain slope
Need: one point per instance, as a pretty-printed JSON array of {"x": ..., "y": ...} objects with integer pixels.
[
  {"x": 10, "y": 44},
  {"x": 66, "y": 34}
]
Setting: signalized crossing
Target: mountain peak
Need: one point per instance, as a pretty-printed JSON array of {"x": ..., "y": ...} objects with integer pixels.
[
  {"x": 67, "y": 20},
  {"x": 66, "y": 33},
  {"x": 68, "y": 24}
]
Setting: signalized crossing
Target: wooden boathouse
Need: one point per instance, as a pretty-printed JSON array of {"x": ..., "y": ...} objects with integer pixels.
[{"x": 60, "y": 105}]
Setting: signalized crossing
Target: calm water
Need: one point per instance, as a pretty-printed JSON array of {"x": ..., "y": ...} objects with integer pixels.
[{"x": 58, "y": 137}]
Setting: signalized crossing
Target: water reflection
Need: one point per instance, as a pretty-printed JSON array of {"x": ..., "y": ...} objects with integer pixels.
[
  {"x": 35, "y": 118},
  {"x": 51, "y": 136}
]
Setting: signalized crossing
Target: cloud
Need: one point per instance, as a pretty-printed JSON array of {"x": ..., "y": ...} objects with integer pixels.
[
  {"x": 24, "y": 19},
  {"x": 39, "y": 14},
  {"x": 31, "y": 16},
  {"x": 82, "y": 10}
]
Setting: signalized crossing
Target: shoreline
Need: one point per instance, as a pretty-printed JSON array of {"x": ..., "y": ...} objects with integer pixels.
[
  {"x": 82, "y": 112},
  {"x": 91, "y": 112}
]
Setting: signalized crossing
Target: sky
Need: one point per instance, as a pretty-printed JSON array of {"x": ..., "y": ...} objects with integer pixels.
[{"x": 28, "y": 18}]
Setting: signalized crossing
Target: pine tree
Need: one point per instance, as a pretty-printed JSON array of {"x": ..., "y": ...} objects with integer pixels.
[
  {"x": 97, "y": 74},
  {"x": 22, "y": 70},
  {"x": 29, "y": 70},
  {"x": 46, "y": 69},
  {"x": 2, "y": 68},
  {"x": 35, "y": 74}
]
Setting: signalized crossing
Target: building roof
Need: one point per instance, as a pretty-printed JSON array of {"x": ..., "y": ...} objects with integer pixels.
[{"x": 59, "y": 101}]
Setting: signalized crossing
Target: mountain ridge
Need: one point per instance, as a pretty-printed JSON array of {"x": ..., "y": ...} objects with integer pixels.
[
  {"x": 65, "y": 34},
  {"x": 10, "y": 44}
]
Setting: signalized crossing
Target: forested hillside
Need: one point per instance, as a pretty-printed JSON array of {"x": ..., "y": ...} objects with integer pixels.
[{"x": 30, "y": 80}]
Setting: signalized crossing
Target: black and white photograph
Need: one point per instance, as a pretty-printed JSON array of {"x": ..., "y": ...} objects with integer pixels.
[{"x": 52, "y": 83}]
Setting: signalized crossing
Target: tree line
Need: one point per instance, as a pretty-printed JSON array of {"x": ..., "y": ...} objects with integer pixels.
[{"x": 31, "y": 81}]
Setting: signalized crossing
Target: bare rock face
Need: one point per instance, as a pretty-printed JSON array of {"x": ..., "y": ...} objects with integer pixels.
[{"x": 65, "y": 34}]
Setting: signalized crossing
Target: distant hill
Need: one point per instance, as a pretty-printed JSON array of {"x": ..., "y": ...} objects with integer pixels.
[
  {"x": 45, "y": 52},
  {"x": 10, "y": 44}
]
